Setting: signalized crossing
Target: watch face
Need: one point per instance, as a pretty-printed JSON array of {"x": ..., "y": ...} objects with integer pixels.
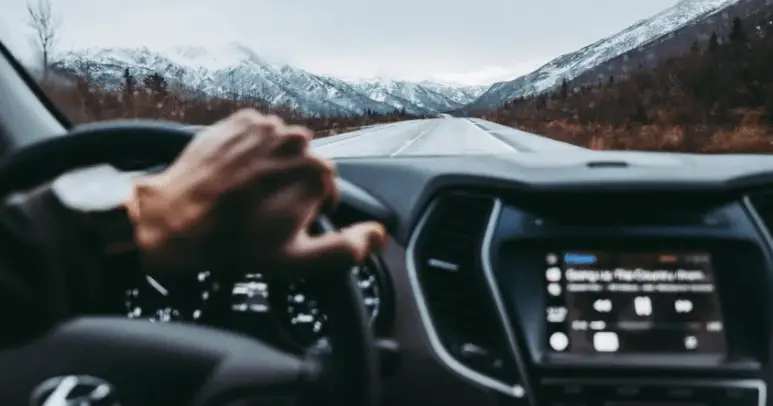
[{"x": 97, "y": 188}]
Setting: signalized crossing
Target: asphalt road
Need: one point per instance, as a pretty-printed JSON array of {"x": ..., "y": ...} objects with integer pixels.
[{"x": 439, "y": 136}]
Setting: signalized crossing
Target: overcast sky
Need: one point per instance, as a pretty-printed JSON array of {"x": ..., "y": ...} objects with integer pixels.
[{"x": 462, "y": 41}]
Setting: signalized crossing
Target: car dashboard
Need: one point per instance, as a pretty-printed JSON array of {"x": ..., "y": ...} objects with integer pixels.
[{"x": 575, "y": 278}]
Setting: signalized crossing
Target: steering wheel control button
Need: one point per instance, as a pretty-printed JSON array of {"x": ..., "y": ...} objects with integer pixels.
[{"x": 75, "y": 390}]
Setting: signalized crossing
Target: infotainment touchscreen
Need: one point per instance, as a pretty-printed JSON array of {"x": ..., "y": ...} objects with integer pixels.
[{"x": 632, "y": 303}]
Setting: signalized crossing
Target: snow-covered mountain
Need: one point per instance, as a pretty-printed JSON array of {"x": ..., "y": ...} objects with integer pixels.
[
  {"x": 235, "y": 69},
  {"x": 575, "y": 64}
]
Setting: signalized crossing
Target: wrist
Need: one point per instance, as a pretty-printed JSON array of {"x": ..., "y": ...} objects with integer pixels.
[
  {"x": 146, "y": 195},
  {"x": 152, "y": 209}
]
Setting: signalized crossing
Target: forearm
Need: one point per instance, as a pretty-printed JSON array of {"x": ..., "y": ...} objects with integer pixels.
[{"x": 54, "y": 244}]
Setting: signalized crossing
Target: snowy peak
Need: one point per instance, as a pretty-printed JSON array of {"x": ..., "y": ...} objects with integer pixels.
[
  {"x": 573, "y": 65},
  {"x": 217, "y": 57},
  {"x": 232, "y": 68}
]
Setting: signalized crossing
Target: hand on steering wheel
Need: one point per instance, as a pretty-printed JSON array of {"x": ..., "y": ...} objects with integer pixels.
[
  {"x": 247, "y": 171},
  {"x": 249, "y": 178}
]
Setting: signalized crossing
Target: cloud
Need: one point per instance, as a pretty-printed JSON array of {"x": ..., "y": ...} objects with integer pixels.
[
  {"x": 448, "y": 40},
  {"x": 487, "y": 74}
]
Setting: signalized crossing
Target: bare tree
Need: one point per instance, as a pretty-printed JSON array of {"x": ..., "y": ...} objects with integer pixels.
[
  {"x": 45, "y": 24},
  {"x": 233, "y": 85}
]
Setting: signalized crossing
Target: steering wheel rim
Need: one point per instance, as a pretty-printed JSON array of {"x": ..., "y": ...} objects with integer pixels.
[{"x": 217, "y": 364}]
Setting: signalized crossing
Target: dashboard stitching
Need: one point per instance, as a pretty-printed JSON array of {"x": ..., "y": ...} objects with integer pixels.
[{"x": 447, "y": 359}]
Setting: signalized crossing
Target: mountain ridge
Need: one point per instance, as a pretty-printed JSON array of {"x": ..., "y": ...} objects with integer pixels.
[
  {"x": 574, "y": 64},
  {"x": 235, "y": 69}
]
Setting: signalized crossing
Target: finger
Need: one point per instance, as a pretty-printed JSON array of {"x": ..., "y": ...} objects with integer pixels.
[
  {"x": 335, "y": 250},
  {"x": 281, "y": 215},
  {"x": 333, "y": 195},
  {"x": 271, "y": 174},
  {"x": 248, "y": 117},
  {"x": 253, "y": 119},
  {"x": 294, "y": 196},
  {"x": 261, "y": 139},
  {"x": 233, "y": 137},
  {"x": 252, "y": 122},
  {"x": 299, "y": 130},
  {"x": 240, "y": 148},
  {"x": 316, "y": 176},
  {"x": 291, "y": 143},
  {"x": 236, "y": 123}
]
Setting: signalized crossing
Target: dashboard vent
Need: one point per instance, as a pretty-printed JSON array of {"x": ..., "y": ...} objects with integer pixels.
[{"x": 448, "y": 264}]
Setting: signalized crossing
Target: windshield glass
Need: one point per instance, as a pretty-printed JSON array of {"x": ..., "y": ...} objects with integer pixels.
[{"x": 426, "y": 77}]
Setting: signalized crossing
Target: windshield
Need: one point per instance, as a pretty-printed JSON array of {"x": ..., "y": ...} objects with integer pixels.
[{"x": 418, "y": 77}]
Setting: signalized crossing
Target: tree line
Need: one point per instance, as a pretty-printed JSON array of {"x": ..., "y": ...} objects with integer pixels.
[
  {"x": 717, "y": 97},
  {"x": 151, "y": 97},
  {"x": 84, "y": 99}
]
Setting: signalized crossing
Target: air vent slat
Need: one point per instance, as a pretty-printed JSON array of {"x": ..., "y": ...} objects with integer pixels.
[{"x": 448, "y": 262}]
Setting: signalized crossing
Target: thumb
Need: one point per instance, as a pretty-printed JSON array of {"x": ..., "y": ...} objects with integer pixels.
[{"x": 336, "y": 250}]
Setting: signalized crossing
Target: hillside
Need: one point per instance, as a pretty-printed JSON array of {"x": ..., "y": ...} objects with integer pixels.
[
  {"x": 715, "y": 97},
  {"x": 648, "y": 42},
  {"x": 654, "y": 53},
  {"x": 235, "y": 70},
  {"x": 85, "y": 100}
]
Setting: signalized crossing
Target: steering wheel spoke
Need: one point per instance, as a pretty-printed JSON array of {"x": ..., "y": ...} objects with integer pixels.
[{"x": 154, "y": 363}]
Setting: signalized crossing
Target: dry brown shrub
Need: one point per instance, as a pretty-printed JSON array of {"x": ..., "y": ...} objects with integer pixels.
[
  {"x": 84, "y": 101},
  {"x": 711, "y": 101}
]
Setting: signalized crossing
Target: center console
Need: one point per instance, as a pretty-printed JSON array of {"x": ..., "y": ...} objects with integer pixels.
[
  {"x": 632, "y": 302},
  {"x": 637, "y": 314}
]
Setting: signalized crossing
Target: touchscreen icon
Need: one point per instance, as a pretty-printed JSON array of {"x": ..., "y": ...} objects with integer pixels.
[
  {"x": 714, "y": 326},
  {"x": 559, "y": 341},
  {"x": 556, "y": 314},
  {"x": 690, "y": 342},
  {"x": 598, "y": 325},
  {"x": 683, "y": 306},
  {"x": 553, "y": 274},
  {"x": 554, "y": 289},
  {"x": 605, "y": 341},
  {"x": 602, "y": 305},
  {"x": 642, "y": 305}
]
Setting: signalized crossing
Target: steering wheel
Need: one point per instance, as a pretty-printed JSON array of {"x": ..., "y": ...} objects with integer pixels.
[{"x": 168, "y": 364}]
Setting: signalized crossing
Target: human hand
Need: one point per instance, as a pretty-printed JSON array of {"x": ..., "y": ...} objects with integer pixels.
[{"x": 246, "y": 188}]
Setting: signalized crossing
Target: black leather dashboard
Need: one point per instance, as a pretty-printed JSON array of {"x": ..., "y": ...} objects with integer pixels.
[
  {"x": 405, "y": 184},
  {"x": 485, "y": 342}
]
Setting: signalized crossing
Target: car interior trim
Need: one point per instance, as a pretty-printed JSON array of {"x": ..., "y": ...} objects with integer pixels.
[
  {"x": 758, "y": 222},
  {"x": 517, "y": 390},
  {"x": 499, "y": 304},
  {"x": 677, "y": 383}
]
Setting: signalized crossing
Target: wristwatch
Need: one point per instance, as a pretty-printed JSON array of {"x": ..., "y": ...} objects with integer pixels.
[
  {"x": 90, "y": 203},
  {"x": 95, "y": 197}
]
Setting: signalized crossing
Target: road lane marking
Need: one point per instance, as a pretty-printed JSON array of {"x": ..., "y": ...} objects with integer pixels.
[
  {"x": 410, "y": 142},
  {"x": 353, "y": 135},
  {"x": 483, "y": 130}
]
